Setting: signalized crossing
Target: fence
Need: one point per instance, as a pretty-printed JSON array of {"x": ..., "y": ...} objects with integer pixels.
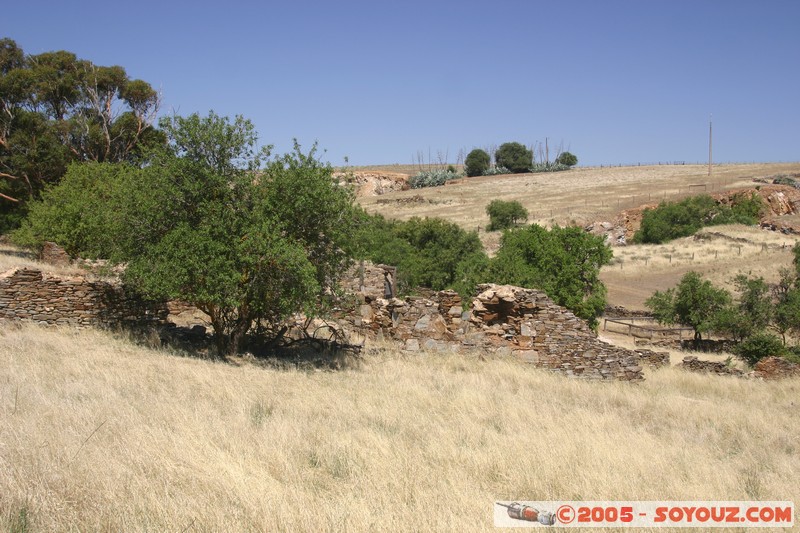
[{"x": 630, "y": 328}]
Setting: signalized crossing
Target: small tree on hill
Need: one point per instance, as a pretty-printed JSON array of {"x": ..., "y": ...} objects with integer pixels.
[
  {"x": 567, "y": 158},
  {"x": 694, "y": 303},
  {"x": 503, "y": 214},
  {"x": 476, "y": 163},
  {"x": 515, "y": 157}
]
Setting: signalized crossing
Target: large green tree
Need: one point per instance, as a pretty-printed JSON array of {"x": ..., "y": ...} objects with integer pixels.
[
  {"x": 211, "y": 220},
  {"x": 56, "y": 109}
]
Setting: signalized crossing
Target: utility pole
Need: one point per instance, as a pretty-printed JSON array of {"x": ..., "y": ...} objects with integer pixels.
[
  {"x": 547, "y": 150},
  {"x": 709, "y": 144}
]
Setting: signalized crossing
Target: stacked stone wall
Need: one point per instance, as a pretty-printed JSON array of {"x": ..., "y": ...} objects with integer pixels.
[{"x": 30, "y": 295}]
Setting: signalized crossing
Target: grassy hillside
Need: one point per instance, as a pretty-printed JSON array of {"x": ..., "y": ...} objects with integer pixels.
[
  {"x": 585, "y": 195},
  {"x": 100, "y": 435}
]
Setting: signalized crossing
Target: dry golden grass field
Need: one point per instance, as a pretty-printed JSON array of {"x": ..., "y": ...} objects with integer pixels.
[
  {"x": 585, "y": 195},
  {"x": 97, "y": 434},
  {"x": 718, "y": 253}
]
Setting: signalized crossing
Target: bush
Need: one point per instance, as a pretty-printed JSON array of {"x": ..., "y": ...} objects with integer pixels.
[
  {"x": 674, "y": 220},
  {"x": 782, "y": 179},
  {"x": 563, "y": 262},
  {"x": 194, "y": 225},
  {"x": 515, "y": 157},
  {"x": 427, "y": 252},
  {"x": 75, "y": 212},
  {"x": 761, "y": 345},
  {"x": 496, "y": 171},
  {"x": 476, "y": 163},
  {"x": 431, "y": 178},
  {"x": 567, "y": 159},
  {"x": 503, "y": 215}
]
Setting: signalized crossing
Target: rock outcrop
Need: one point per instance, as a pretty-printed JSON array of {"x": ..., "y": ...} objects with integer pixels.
[{"x": 776, "y": 368}]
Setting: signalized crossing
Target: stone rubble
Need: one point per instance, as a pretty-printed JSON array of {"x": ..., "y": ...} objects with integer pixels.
[{"x": 505, "y": 320}]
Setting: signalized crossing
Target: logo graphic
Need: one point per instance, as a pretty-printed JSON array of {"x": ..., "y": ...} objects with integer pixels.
[{"x": 517, "y": 511}]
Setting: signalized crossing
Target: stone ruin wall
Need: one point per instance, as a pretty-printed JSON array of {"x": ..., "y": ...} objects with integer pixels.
[
  {"x": 505, "y": 320},
  {"x": 30, "y": 295}
]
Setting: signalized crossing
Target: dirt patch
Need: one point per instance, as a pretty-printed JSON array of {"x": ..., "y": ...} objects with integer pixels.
[{"x": 374, "y": 183}]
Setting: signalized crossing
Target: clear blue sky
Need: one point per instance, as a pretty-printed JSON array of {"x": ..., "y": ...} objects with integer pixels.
[{"x": 616, "y": 81}]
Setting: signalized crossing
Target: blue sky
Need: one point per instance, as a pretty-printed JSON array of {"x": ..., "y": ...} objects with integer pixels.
[{"x": 615, "y": 81}]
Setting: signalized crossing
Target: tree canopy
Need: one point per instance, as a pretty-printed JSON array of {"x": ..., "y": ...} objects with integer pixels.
[
  {"x": 210, "y": 220},
  {"x": 56, "y": 109},
  {"x": 564, "y": 262},
  {"x": 505, "y": 214},
  {"x": 515, "y": 157},
  {"x": 428, "y": 252},
  {"x": 476, "y": 162},
  {"x": 694, "y": 303},
  {"x": 567, "y": 159}
]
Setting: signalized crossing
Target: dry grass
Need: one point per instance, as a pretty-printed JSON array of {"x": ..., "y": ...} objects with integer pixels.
[
  {"x": 719, "y": 253},
  {"x": 100, "y": 435},
  {"x": 13, "y": 257}
]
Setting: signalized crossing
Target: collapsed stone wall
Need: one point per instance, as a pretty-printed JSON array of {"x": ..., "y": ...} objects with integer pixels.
[
  {"x": 506, "y": 320},
  {"x": 692, "y": 363},
  {"x": 29, "y": 294}
]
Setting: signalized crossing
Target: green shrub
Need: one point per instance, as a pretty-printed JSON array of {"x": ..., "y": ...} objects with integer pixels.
[
  {"x": 695, "y": 303},
  {"x": 431, "y": 178},
  {"x": 674, "y": 220},
  {"x": 476, "y": 163},
  {"x": 503, "y": 215},
  {"x": 563, "y": 262},
  {"x": 75, "y": 213},
  {"x": 793, "y": 355},
  {"x": 782, "y": 179},
  {"x": 427, "y": 252},
  {"x": 515, "y": 157},
  {"x": 567, "y": 159},
  {"x": 761, "y": 345}
]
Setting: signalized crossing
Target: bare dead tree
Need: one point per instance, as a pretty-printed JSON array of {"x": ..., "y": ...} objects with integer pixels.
[
  {"x": 491, "y": 149},
  {"x": 442, "y": 157},
  {"x": 460, "y": 157}
]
